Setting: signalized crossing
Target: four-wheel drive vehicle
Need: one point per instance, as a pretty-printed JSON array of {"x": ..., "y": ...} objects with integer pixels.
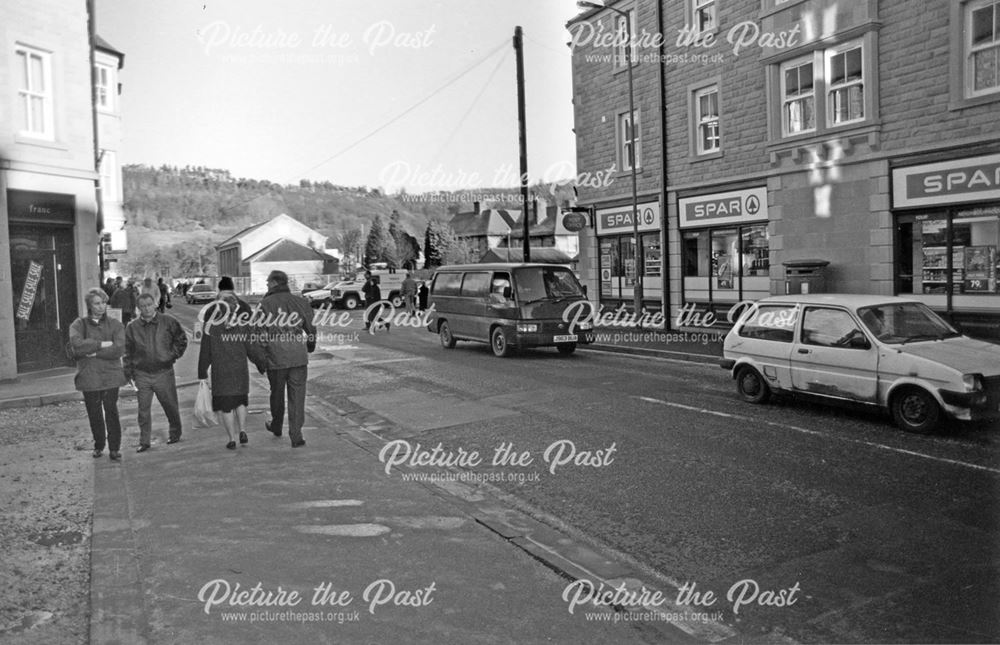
[
  {"x": 510, "y": 306},
  {"x": 349, "y": 294},
  {"x": 888, "y": 353}
]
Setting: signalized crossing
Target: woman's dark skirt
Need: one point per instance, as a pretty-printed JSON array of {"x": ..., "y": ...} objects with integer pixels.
[{"x": 228, "y": 403}]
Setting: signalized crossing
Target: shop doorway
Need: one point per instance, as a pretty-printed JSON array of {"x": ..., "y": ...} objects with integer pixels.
[{"x": 43, "y": 276}]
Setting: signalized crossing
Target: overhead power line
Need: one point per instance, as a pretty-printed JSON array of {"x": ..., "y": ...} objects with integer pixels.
[{"x": 399, "y": 116}]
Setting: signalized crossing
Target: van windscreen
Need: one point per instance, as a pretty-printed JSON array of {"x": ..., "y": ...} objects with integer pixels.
[{"x": 545, "y": 283}]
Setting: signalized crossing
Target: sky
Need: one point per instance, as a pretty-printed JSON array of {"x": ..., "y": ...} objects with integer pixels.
[{"x": 414, "y": 94}]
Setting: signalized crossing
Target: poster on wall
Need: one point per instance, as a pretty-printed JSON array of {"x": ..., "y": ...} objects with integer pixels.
[
  {"x": 29, "y": 291},
  {"x": 980, "y": 269}
]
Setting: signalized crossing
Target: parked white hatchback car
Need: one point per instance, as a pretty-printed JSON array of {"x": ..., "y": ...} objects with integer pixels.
[{"x": 885, "y": 352}]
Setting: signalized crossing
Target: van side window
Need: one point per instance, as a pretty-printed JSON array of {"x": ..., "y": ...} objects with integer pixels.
[
  {"x": 500, "y": 282},
  {"x": 771, "y": 322},
  {"x": 475, "y": 285},
  {"x": 447, "y": 284}
]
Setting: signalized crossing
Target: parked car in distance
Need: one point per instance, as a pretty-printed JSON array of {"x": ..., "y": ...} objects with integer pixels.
[
  {"x": 201, "y": 293},
  {"x": 349, "y": 295},
  {"x": 885, "y": 352},
  {"x": 510, "y": 306},
  {"x": 321, "y": 296},
  {"x": 309, "y": 287}
]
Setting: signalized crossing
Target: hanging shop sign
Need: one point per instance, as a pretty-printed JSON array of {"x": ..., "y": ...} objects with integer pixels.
[
  {"x": 973, "y": 179},
  {"x": 619, "y": 220},
  {"x": 731, "y": 207}
]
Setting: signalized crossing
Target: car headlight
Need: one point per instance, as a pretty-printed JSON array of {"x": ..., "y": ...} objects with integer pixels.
[
  {"x": 527, "y": 328},
  {"x": 973, "y": 382},
  {"x": 585, "y": 326}
]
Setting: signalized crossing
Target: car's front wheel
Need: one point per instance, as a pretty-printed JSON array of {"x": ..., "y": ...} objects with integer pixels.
[
  {"x": 498, "y": 341},
  {"x": 915, "y": 410},
  {"x": 350, "y": 302},
  {"x": 751, "y": 385}
]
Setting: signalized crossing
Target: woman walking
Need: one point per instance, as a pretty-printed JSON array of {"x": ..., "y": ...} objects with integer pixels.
[
  {"x": 225, "y": 349},
  {"x": 97, "y": 342}
]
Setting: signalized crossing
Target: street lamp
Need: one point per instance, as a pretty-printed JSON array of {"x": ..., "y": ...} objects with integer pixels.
[{"x": 637, "y": 300}]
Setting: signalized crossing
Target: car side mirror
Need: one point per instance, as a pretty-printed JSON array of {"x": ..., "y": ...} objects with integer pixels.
[{"x": 859, "y": 341}]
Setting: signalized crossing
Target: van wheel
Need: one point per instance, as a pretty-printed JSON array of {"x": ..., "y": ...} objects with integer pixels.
[
  {"x": 566, "y": 348},
  {"x": 350, "y": 302},
  {"x": 397, "y": 301},
  {"x": 751, "y": 385},
  {"x": 915, "y": 410},
  {"x": 444, "y": 333},
  {"x": 498, "y": 341}
]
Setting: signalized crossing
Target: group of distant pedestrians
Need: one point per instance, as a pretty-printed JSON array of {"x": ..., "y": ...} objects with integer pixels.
[{"x": 142, "y": 350}]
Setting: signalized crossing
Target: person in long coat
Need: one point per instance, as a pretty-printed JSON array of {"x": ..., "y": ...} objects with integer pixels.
[
  {"x": 97, "y": 342},
  {"x": 225, "y": 349}
]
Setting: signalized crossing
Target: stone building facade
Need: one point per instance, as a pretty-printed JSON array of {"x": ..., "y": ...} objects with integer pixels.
[{"x": 861, "y": 135}]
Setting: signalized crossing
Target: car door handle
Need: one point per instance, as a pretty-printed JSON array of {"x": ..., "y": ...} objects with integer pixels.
[{"x": 803, "y": 350}]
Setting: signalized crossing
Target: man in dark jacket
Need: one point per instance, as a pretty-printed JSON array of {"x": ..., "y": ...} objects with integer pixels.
[
  {"x": 290, "y": 338},
  {"x": 153, "y": 343},
  {"x": 124, "y": 298}
]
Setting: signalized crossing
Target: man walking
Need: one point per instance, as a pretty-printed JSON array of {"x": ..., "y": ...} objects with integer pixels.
[
  {"x": 153, "y": 343},
  {"x": 409, "y": 292},
  {"x": 124, "y": 298},
  {"x": 290, "y": 338}
]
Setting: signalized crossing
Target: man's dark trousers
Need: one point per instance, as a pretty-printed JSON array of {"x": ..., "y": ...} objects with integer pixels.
[
  {"x": 164, "y": 385},
  {"x": 294, "y": 380}
]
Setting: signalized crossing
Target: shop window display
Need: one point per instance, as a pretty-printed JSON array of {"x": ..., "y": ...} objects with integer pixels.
[
  {"x": 950, "y": 253},
  {"x": 726, "y": 265}
]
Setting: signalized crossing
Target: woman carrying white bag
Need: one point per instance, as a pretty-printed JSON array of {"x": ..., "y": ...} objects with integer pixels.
[{"x": 225, "y": 349}]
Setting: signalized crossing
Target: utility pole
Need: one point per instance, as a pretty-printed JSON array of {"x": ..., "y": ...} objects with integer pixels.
[{"x": 522, "y": 139}]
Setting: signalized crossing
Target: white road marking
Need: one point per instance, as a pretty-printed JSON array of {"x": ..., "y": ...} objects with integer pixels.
[{"x": 871, "y": 444}]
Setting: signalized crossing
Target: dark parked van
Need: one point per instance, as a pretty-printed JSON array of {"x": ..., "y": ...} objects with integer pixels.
[{"x": 510, "y": 306}]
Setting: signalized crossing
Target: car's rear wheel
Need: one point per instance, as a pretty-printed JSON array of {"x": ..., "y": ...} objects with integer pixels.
[
  {"x": 498, "y": 341},
  {"x": 350, "y": 302},
  {"x": 915, "y": 410},
  {"x": 566, "y": 348},
  {"x": 751, "y": 385},
  {"x": 397, "y": 301},
  {"x": 444, "y": 333}
]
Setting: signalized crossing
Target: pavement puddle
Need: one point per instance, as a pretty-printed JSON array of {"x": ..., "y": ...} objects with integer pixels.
[{"x": 345, "y": 530}]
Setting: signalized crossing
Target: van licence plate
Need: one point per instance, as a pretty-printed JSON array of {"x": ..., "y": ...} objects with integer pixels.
[{"x": 564, "y": 339}]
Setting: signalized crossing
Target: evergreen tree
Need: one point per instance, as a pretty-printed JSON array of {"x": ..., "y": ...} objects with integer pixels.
[{"x": 376, "y": 244}]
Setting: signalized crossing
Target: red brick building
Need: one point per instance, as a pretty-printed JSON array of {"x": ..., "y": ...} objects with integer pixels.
[{"x": 862, "y": 134}]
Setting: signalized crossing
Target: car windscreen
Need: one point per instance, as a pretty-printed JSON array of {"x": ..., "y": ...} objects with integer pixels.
[
  {"x": 904, "y": 323},
  {"x": 546, "y": 283}
]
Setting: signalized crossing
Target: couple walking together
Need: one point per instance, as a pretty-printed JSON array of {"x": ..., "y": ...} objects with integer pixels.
[{"x": 281, "y": 349}]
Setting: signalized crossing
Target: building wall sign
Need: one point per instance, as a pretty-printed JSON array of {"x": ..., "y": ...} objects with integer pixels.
[
  {"x": 733, "y": 207},
  {"x": 619, "y": 220},
  {"x": 950, "y": 182},
  {"x": 40, "y": 208}
]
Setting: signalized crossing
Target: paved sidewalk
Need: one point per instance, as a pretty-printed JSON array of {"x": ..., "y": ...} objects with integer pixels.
[{"x": 196, "y": 543}]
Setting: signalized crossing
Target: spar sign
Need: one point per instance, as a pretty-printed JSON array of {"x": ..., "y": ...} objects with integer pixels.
[
  {"x": 724, "y": 208},
  {"x": 619, "y": 220}
]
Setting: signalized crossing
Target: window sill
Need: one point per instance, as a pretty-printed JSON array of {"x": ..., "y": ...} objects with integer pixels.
[
  {"x": 695, "y": 158},
  {"x": 864, "y": 129},
  {"x": 39, "y": 141},
  {"x": 975, "y": 101}
]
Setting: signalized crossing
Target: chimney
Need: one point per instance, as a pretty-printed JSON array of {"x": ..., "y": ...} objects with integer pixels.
[{"x": 475, "y": 207}]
